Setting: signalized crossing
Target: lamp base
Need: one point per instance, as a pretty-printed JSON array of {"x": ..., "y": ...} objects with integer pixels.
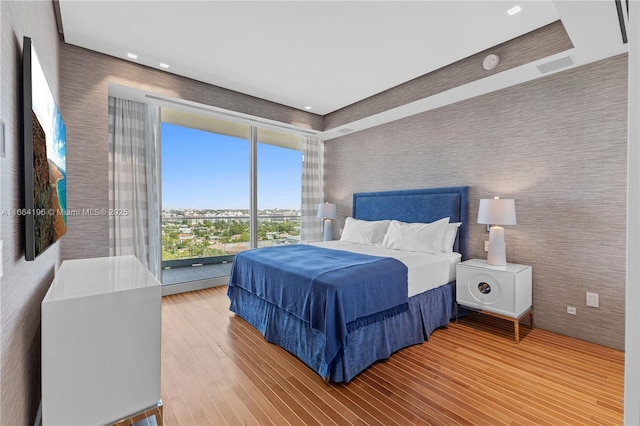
[
  {"x": 327, "y": 230},
  {"x": 497, "y": 255}
]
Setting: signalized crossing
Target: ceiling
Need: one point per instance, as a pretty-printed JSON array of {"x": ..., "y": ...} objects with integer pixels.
[{"x": 325, "y": 54}]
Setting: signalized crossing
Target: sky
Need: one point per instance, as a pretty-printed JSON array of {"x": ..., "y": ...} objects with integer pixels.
[{"x": 204, "y": 170}]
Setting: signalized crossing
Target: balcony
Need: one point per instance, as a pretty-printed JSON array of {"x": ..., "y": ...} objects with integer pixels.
[{"x": 199, "y": 246}]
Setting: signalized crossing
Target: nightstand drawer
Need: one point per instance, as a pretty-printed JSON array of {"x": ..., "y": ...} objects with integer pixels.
[{"x": 503, "y": 290}]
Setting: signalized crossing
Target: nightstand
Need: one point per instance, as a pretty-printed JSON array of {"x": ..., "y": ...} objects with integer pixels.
[{"x": 501, "y": 291}]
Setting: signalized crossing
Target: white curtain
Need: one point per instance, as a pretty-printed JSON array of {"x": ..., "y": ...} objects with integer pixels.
[
  {"x": 134, "y": 182},
  {"x": 312, "y": 189}
]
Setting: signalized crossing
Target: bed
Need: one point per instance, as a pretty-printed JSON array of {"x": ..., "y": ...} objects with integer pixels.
[{"x": 338, "y": 324}]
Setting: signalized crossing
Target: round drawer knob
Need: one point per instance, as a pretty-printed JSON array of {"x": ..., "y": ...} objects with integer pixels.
[{"x": 484, "y": 288}]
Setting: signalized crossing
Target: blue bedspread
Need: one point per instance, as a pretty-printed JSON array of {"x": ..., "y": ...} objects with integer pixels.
[{"x": 326, "y": 288}]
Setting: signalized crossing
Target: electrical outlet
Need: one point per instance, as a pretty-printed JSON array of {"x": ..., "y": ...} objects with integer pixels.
[
  {"x": 486, "y": 246},
  {"x": 593, "y": 300},
  {"x": 571, "y": 310}
]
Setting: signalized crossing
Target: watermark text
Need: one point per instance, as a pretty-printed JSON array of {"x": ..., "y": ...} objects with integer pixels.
[{"x": 67, "y": 212}]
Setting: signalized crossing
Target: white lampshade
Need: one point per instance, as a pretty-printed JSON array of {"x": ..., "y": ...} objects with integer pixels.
[
  {"x": 497, "y": 211},
  {"x": 327, "y": 211}
]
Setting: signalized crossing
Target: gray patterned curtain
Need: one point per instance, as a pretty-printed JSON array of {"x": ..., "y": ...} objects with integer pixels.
[
  {"x": 134, "y": 182},
  {"x": 312, "y": 189}
]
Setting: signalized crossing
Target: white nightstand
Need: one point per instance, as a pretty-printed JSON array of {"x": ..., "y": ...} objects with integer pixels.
[{"x": 501, "y": 291}]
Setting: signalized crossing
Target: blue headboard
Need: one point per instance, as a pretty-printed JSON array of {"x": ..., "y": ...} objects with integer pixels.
[{"x": 418, "y": 205}]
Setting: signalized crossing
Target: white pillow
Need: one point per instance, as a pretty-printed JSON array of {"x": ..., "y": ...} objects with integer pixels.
[
  {"x": 369, "y": 232},
  {"x": 420, "y": 237},
  {"x": 450, "y": 237}
]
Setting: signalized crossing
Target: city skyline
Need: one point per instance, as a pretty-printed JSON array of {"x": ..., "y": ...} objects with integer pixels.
[
  {"x": 192, "y": 158},
  {"x": 189, "y": 213}
]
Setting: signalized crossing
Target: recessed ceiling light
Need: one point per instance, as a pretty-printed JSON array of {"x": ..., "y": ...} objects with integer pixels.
[
  {"x": 132, "y": 55},
  {"x": 307, "y": 108},
  {"x": 163, "y": 65},
  {"x": 514, "y": 10}
]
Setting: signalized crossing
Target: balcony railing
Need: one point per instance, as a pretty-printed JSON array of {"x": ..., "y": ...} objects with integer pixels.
[{"x": 209, "y": 240}]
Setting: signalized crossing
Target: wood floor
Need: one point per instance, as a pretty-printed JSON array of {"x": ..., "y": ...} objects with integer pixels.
[{"x": 217, "y": 370}]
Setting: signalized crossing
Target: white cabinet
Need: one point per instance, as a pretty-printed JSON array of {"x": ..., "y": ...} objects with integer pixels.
[
  {"x": 502, "y": 291},
  {"x": 100, "y": 342}
]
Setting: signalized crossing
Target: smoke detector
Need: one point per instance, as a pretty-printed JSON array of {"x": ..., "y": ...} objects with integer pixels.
[{"x": 490, "y": 62}]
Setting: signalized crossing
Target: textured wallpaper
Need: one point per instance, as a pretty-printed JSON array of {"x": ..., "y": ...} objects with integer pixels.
[
  {"x": 558, "y": 146},
  {"x": 24, "y": 284}
]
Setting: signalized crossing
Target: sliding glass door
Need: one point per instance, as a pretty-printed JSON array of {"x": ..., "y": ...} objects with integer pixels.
[
  {"x": 205, "y": 193},
  {"x": 211, "y": 172},
  {"x": 279, "y": 174}
]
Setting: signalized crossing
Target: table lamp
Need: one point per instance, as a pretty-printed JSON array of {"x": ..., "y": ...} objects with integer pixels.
[
  {"x": 495, "y": 212},
  {"x": 327, "y": 212}
]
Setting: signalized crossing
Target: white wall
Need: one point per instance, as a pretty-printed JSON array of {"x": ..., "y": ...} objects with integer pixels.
[{"x": 632, "y": 334}]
